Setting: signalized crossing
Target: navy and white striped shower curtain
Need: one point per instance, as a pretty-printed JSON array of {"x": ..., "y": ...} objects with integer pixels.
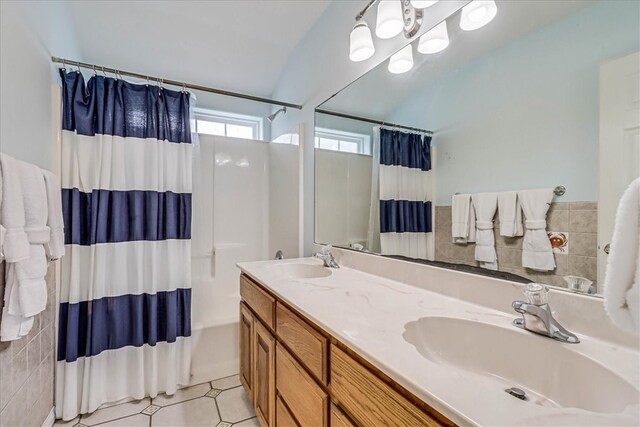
[
  {"x": 406, "y": 192},
  {"x": 125, "y": 298}
]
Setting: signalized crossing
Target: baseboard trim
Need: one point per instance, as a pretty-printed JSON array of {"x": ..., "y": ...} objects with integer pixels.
[{"x": 51, "y": 418}]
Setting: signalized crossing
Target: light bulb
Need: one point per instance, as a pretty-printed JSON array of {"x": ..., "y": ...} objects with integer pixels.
[
  {"x": 477, "y": 14},
  {"x": 421, "y": 4},
  {"x": 401, "y": 61},
  {"x": 360, "y": 42},
  {"x": 435, "y": 40},
  {"x": 389, "y": 22}
]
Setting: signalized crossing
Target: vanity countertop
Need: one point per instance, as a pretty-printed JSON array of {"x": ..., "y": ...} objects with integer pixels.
[{"x": 368, "y": 313}]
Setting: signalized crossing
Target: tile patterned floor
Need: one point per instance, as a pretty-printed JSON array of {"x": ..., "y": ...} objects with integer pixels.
[{"x": 219, "y": 403}]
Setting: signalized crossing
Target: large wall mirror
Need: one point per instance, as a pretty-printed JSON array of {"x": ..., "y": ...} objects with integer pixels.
[{"x": 544, "y": 97}]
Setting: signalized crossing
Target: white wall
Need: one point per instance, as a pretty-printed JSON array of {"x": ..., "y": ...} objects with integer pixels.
[
  {"x": 30, "y": 33},
  {"x": 526, "y": 115},
  {"x": 319, "y": 67},
  {"x": 343, "y": 197}
]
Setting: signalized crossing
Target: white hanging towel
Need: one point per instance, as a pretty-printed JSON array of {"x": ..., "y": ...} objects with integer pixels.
[
  {"x": 463, "y": 219},
  {"x": 510, "y": 214},
  {"x": 13, "y": 327},
  {"x": 55, "y": 246},
  {"x": 16, "y": 244},
  {"x": 26, "y": 289},
  {"x": 622, "y": 275},
  {"x": 537, "y": 252},
  {"x": 485, "y": 205}
]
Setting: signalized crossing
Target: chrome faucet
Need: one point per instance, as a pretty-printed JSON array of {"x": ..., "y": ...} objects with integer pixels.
[
  {"x": 327, "y": 257},
  {"x": 537, "y": 316}
]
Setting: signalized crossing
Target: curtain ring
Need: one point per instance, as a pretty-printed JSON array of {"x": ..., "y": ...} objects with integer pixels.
[
  {"x": 95, "y": 73},
  {"x": 64, "y": 64},
  {"x": 147, "y": 84},
  {"x": 184, "y": 87},
  {"x": 78, "y": 67}
]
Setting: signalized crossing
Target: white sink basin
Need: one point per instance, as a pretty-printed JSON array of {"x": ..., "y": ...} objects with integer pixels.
[
  {"x": 301, "y": 271},
  {"x": 551, "y": 373}
]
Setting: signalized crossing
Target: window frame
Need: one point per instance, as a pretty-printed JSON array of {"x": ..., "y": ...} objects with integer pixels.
[
  {"x": 362, "y": 140},
  {"x": 254, "y": 122}
]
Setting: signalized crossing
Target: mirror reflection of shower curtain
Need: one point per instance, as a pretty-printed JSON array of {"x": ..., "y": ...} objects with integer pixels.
[{"x": 405, "y": 194}]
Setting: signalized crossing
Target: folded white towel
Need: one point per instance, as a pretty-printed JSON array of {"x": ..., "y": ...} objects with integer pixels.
[
  {"x": 485, "y": 205},
  {"x": 16, "y": 243},
  {"x": 32, "y": 284},
  {"x": 463, "y": 219},
  {"x": 25, "y": 282},
  {"x": 622, "y": 275},
  {"x": 55, "y": 247},
  {"x": 537, "y": 252},
  {"x": 36, "y": 212},
  {"x": 510, "y": 214}
]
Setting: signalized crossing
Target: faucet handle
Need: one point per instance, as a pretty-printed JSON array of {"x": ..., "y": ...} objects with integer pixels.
[
  {"x": 536, "y": 293},
  {"x": 326, "y": 249}
]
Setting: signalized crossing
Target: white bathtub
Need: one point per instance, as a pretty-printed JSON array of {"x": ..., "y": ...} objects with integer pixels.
[{"x": 215, "y": 351}]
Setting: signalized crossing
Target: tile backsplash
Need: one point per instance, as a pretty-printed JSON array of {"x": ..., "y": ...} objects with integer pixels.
[
  {"x": 578, "y": 221},
  {"x": 26, "y": 366}
]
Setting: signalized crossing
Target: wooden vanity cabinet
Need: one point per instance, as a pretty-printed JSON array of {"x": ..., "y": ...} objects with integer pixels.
[
  {"x": 298, "y": 375},
  {"x": 246, "y": 349}
]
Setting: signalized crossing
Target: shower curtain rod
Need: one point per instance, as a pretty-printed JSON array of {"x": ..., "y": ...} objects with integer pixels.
[
  {"x": 375, "y": 122},
  {"x": 175, "y": 83}
]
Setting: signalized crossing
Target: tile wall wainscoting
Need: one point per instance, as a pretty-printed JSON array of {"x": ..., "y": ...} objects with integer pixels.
[
  {"x": 219, "y": 403},
  {"x": 577, "y": 220},
  {"x": 26, "y": 366}
]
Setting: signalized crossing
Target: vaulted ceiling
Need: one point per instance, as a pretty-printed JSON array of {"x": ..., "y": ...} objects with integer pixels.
[{"x": 236, "y": 45}]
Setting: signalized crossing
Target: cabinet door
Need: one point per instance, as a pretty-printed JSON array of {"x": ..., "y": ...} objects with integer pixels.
[
  {"x": 246, "y": 349},
  {"x": 283, "y": 416},
  {"x": 264, "y": 377}
]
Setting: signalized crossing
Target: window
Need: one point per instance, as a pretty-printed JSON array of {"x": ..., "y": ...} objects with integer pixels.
[
  {"x": 212, "y": 122},
  {"x": 348, "y": 142}
]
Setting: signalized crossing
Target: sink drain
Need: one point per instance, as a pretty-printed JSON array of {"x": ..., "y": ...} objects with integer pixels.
[{"x": 516, "y": 392}]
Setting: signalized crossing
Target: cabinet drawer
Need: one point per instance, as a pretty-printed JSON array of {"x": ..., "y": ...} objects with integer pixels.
[
  {"x": 308, "y": 403},
  {"x": 371, "y": 401},
  {"x": 338, "y": 418},
  {"x": 260, "y": 302},
  {"x": 283, "y": 416},
  {"x": 309, "y": 345}
]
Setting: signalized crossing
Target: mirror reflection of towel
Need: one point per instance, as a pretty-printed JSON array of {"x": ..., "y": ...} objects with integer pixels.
[
  {"x": 485, "y": 205},
  {"x": 537, "y": 252},
  {"x": 463, "y": 219},
  {"x": 510, "y": 214}
]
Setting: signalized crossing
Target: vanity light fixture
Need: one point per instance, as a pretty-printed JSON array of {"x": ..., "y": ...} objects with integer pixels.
[
  {"x": 389, "y": 22},
  {"x": 435, "y": 40},
  {"x": 360, "y": 42},
  {"x": 401, "y": 61},
  {"x": 477, "y": 14},
  {"x": 421, "y": 4}
]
